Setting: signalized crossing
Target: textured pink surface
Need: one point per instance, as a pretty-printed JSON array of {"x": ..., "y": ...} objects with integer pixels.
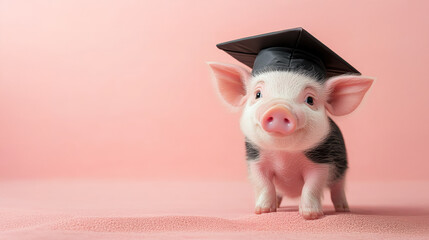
[
  {"x": 209, "y": 210},
  {"x": 121, "y": 89}
]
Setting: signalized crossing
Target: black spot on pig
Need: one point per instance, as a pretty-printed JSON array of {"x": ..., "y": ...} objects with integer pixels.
[
  {"x": 252, "y": 151},
  {"x": 332, "y": 150}
]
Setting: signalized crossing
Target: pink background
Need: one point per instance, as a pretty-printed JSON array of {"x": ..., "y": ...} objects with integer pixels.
[{"x": 120, "y": 89}]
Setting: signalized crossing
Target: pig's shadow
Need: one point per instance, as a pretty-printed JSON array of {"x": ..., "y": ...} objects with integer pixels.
[{"x": 369, "y": 210}]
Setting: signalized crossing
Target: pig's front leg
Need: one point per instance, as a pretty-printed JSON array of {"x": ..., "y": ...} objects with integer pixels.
[
  {"x": 315, "y": 180},
  {"x": 266, "y": 198}
]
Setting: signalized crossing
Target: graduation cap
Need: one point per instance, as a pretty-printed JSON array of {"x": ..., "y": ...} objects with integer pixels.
[{"x": 292, "y": 50}]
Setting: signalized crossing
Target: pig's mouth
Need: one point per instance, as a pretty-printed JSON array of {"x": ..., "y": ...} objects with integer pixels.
[
  {"x": 277, "y": 135},
  {"x": 277, "y": 141}
]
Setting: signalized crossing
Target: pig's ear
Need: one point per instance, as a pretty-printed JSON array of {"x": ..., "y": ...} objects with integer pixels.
[
  {"x": 345, "y": 93},
  {"x": 230, "y": 81}
]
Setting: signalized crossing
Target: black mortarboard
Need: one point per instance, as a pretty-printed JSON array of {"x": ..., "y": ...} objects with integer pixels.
[{"x": 292, "y": 49}]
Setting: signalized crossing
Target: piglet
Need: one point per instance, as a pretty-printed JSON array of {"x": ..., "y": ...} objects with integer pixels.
[{"x": 293, "y": 147}]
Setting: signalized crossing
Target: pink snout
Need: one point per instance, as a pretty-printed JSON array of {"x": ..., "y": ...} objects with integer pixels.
[{"x": 278, "y": 119}]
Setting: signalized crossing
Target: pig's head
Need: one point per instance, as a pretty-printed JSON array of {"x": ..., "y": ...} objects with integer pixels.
[{"x": 285, "y": 110}]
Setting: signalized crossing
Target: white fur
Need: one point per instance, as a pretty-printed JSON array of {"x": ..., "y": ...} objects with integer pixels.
[{"x": 287, "y": 87}]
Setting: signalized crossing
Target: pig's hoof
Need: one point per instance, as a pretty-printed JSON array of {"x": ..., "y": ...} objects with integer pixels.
[
  {"x": 310, "y": 213},
  {"x": 260, "y": 210},
  {"x": 342, "y": 208},
  {"x": 279, "y": 201}
]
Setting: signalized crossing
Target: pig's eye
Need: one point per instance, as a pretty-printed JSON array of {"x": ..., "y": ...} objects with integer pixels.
[
  {"x": 309, "y": 101},
  {"x": 258, "y": 94}
]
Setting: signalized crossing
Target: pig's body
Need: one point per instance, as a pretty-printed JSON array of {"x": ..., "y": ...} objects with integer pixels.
[
  {"x": 284, "y": 170},
  {"x": 287, "y": 171},
  {"x": 293, "y": 148}
]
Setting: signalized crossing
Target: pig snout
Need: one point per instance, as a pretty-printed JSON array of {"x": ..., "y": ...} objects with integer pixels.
[{"x": 278, "y": 120}]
